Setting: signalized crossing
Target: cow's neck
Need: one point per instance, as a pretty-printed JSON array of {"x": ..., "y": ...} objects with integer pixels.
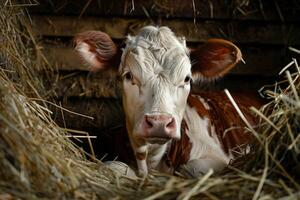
[
  {"x": 198, "y": 137},
  {"x": 156, "y": 154},
  {"x": 153, "y": 153},
  {"x": 178, "y": 152},
  {"x": 170, "y": 156}
]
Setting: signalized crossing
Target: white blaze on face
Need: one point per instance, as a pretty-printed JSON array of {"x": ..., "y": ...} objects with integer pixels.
[{"x": 156, "y": 70}]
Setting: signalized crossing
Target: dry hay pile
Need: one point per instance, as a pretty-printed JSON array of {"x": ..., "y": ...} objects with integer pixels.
[{"x": 37, "y": 161}]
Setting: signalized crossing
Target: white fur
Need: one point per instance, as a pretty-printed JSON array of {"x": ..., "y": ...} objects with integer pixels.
[
  {"x": 142, "y": 149},
  {"x": 142, "y": 167},
  {"x": 84, "y": 50},
  {"x": 204, "y": 147},
  {"x": 156, "y": 153}
]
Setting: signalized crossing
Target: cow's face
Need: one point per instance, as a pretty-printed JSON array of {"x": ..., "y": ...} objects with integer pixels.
[{"x": 156, "y": 73}]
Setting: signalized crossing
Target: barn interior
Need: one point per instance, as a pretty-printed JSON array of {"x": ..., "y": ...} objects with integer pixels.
[
  {"x": 263, "y": 32},
  {"x": 88, "y": 109}
]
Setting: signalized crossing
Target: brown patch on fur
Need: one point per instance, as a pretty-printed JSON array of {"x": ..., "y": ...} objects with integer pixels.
[
  {"x": 141, "y": 156},
  {"x": 197, "y": 104},
  {"x": 179, "y": 151},
  {"x": 223, "y": 116},
  {"x": 215, "y": 58}
]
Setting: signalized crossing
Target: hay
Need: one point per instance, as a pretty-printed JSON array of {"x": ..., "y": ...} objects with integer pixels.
[{"x": 38, "y": 161}]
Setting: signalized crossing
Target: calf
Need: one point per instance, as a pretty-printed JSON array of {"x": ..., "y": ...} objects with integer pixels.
[{"x": 167, "y": 126}]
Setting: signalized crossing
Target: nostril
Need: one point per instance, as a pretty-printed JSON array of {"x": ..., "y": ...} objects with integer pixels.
[
  {"x": 148, "y": 122},
  {"x": 171, "y": 123}
]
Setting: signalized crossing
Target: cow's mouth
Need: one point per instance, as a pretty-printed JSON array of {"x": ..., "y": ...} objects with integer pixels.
[{"x": 158, "y": 140}]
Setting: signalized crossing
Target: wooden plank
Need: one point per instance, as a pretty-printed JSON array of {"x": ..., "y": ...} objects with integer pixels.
[
  {"x": 107, "y": 112},
  {"x": 217, "y": 9},
  {"x": 118, "y": 28},
  {"x": 259, "y": 60},
  {"x": 64, "y": 58},
  {"x": 84, "y": 84},
  {"x": 106, "y": 85}
]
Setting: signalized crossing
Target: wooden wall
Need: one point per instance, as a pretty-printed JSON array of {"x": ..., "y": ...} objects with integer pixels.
[{"x": 263, "y": 29}]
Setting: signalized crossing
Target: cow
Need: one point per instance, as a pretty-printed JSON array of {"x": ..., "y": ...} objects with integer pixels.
[{"x": 168, "y": 127}]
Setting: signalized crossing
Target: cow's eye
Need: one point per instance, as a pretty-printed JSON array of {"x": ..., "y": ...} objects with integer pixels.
[
  {"x": 128, "y": 76},
  {"x": 187, "y": 79}
]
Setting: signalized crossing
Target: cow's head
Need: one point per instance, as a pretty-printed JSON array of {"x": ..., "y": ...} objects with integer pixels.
[{"x": 157, "y": 69}]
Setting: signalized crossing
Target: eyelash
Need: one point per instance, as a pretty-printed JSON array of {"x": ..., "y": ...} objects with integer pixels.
[
  {"x": 128, "y": 76},
  {"x": 187, "y": 79}
]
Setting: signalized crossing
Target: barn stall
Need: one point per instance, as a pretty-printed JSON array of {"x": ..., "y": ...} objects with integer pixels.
[{"x": 49, "y": 97}]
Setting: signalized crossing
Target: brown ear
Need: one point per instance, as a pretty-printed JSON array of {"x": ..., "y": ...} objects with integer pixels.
[
  {"x": 215, "y": 58},
  {"x": 97, "y": 49}
]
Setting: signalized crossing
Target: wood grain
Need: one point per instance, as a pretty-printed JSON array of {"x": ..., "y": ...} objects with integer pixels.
[{"x": 119, "y": 28}]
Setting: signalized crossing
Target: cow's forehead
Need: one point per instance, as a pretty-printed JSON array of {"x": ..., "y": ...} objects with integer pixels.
[
  {"x": 155, "y": 38},
  {"x": 155, "y": 50}
]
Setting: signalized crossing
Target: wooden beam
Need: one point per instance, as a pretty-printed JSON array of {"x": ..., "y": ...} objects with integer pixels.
[
  {"x": 259, "y": 61},
  {"x": 107, "y": 112},
  {"x": 118, "y": 28},
  {"x": 251, "y": 10},
  {"x": 84, "y": 84},
  {"x": 105, "y": 84}
]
